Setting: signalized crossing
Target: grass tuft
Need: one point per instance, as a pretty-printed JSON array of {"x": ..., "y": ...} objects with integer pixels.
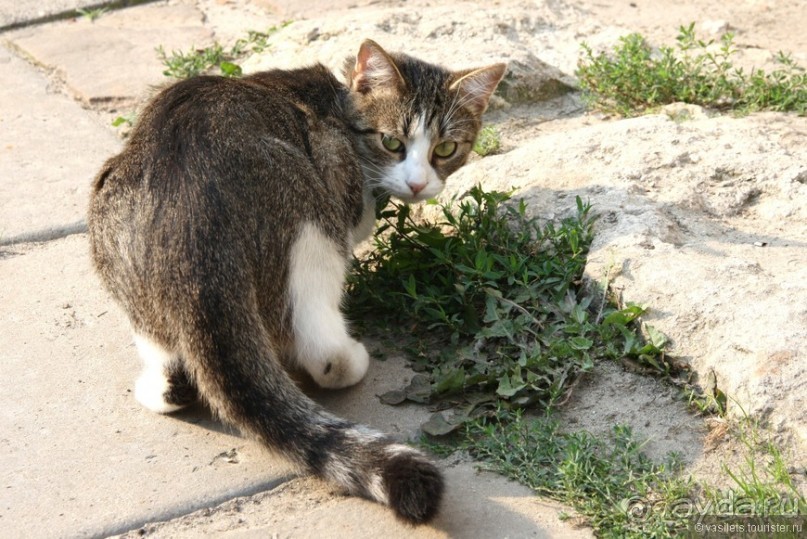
[
  {"x": 488, "y": 142},
  {"x": 183, "y": 65},
  {"x": 92, "y": 14},
  {"x": 635, "y": 77},
  {"x": 608, "y": 481}
]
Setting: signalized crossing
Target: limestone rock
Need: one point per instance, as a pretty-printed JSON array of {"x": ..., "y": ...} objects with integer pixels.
[{"x": 702, "y": 220}]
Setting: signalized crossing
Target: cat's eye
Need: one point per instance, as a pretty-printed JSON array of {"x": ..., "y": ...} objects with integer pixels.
[
  {"x": 445, "y": 149},
  {"x": 392, "y": 144}
]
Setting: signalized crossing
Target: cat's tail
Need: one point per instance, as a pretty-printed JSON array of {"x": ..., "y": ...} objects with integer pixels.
[{"x": 236, "y": 373}]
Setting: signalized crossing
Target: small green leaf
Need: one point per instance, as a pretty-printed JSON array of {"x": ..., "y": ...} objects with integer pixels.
[
  {"x": 411, "y": 286},
  {"x": 450, "y": 382},
  {"x": 229, "y": 69},
  {"x": 581, "y": 343},
  {"x": 579, "y": 314},
  {"x": 507, "y": 388},
  {"x": 624, "y": 316},
  {"x": 657, "y": 338}
]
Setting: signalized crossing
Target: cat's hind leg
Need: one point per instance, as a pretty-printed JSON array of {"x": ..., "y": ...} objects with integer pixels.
[
  {"x": 164, "y": 385},
  {"x": 321, "y": 340}
]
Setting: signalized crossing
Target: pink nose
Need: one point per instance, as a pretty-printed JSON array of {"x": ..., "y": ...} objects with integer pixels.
[{"x": 416, "y": 187}]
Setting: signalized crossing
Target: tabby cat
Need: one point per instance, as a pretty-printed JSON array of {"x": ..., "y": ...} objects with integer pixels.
[{"x": 224, "y": 230}]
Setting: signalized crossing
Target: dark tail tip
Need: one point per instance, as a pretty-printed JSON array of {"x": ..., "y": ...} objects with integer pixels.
[{"x": 414, "y": 486}]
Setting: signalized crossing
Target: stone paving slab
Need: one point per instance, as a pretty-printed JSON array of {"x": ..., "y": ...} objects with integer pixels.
[
  {"x": 478, "y": 505},
  {"x": 50, "y": 149},
  {"x": 16, "y": 12},
  {"x": 114, "y": 58},
  {"x": 80, "y": 455}
]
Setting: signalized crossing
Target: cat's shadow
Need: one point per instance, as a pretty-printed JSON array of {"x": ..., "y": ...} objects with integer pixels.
[{"x": 201, "y": 415}]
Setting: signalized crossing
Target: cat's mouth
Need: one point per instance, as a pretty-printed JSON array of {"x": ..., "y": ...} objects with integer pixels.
[
  {"x": 412, "y": 197},
  {"x": 404, "y": 194}
]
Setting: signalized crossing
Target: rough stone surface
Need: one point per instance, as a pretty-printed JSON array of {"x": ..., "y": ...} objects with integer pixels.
[
  {"x": 704, "y": 220},
  {"x": 497, "y": 33}
]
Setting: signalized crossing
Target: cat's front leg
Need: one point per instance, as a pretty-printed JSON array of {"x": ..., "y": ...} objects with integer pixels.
[{"x": 322, "y": 343}]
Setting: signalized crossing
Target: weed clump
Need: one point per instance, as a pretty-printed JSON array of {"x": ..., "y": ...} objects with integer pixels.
[
  {"x": 635, "y": 78},
  {"x": 495, "y": 302},
  {"x": 488, "y": 142},
  {"x": 183, "y": 65}
]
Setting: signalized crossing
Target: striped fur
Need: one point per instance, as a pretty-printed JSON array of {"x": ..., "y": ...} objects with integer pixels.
[{"x": 223, "y": 230}]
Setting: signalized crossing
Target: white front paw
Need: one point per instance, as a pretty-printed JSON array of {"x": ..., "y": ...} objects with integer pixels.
[{"x": 344, "y": 368}]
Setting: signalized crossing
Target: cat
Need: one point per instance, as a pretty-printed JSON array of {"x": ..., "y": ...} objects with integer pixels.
[{"x": 224, "y": 229}]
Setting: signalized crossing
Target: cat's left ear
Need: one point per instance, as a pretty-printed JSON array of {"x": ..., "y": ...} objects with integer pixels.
[{"x": 477, "y": 85}]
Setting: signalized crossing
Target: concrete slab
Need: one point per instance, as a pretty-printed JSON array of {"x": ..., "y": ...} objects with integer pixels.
[
  {"x": 50, "y": 149},
  {"x": 478, "y": 505},
  {"x": 18, "y": 12},
  {"x": 309, "y": 9},
  {"x": 80, "y": 456},
  {"x": 113, "y": 58}
]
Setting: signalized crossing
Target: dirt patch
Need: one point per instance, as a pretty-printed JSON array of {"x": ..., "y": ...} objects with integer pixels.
[{"x": 609, "y": 395}]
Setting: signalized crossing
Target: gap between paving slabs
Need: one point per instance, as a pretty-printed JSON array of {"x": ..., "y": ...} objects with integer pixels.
[
  {"x": 46, "y": 234},
  {"x": 60, "y": 15},
  {"x": 185, "y": 510}
]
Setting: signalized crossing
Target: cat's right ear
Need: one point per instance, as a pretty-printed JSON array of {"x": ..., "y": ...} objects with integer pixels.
[
  {"x": 477, "y": 85},
  {"x": 374, "y": 70}
]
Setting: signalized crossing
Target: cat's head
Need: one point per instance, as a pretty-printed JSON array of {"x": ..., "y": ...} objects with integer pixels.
[{"x": 417, "y": 121}]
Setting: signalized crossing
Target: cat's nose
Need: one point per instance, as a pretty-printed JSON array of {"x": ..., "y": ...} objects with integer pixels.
[{"x": 416, "y": 187}]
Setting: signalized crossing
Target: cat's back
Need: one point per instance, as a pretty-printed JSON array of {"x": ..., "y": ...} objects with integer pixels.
[
  {"x": 215, "y": 115},
  {"x": 215, "y": 159},
  {"x": 222, "y": 133}
]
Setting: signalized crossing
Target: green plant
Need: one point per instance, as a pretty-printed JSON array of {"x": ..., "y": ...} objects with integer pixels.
[
  {"x": 127, "y": 119},
  {"x": 763, "y": 475},
  {"x": 182, "y": 65},
  {"x": 488, "y": 141},
  {"x": 617, "y": 489},
  {"x": 608, "y": 481},
  {"x": 503, "y": 324},
  {"x": 707, "y": 399},
  {"x": 635, "y": 78},
  {"x": 92, "y": 14},
  {"x": 495, "y": 300}
]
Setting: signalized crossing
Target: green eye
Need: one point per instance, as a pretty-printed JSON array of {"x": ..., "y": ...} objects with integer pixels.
[
  {"x": 391, "y": 143},
  {"x": 445, "y": 149}
]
